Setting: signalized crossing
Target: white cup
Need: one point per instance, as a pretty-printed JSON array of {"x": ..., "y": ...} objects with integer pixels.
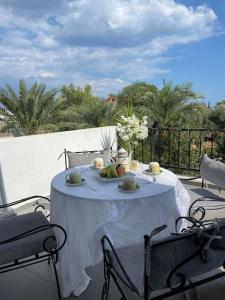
[
  {"x": 74, "y": 177},
  {"x": 98, "y": 163}
]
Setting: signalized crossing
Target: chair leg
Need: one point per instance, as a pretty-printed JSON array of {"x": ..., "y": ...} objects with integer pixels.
[
  {"x": 56, "y": 277},
  {"x": 119, "y": 288},
  {"x": 105, "y": 288}
]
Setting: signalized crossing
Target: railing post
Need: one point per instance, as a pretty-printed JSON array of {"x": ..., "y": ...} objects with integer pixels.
[
  {"x": 189, "y": 148},
  {"x": 178, "y": 161},
  {"x": 169, "y": 148},
  {"x": 212, "y": 144},
  {"x": 150, "y": 143},
  {"x": 159, "y": 146},
  {"x": 200, "y": 148}
]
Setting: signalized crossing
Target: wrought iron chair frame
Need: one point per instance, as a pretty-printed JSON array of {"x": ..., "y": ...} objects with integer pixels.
[
  {"x": 201, "y": 209},
  {"x": 184, "y": 285},
  {"x": 50, "y": 255}
]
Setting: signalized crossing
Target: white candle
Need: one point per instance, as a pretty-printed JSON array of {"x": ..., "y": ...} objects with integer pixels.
[
  {"x": 99, "y": 163},
  {"x": 154, "y": 167}
]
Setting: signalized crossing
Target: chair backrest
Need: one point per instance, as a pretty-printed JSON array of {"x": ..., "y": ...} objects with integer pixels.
[
  {"x": 176, "y": 259},
  {"x": 76, "y": 159},
  {"x": 213, "y": 170}
]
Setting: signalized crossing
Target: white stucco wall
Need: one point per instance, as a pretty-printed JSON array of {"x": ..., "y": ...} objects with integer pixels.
[{"x": 29, "y": 163}]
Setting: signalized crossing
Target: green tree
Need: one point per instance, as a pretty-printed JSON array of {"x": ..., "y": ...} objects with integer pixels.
[
  {"x": 73, "y": 95},
  {"x": 133, "y": 93},
  {"x": 171, "y": 105},
  {"x": 217, "y": 115},
  {"x": 97, "y": 113},
  {"x": 30, "y": 109}
]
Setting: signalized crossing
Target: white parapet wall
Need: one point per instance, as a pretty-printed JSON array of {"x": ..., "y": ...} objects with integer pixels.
[{"x": 29, "y": 163}]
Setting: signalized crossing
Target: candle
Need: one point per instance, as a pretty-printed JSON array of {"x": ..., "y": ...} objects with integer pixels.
[
  {"x": 99, "y": 163},
  {"x": 154, "y": 168},
  {"x": 135, "y": 165}
]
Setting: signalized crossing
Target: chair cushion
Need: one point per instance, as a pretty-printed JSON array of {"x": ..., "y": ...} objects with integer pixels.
[
  {"x": 213, "y": 171},
  {"x": 78, "y": 159},
  {"x": 27, "y": 246}
]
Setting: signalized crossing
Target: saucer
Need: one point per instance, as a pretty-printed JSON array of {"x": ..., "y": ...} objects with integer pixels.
[
  {"x": 68, "y": 183},
  {"x": 148, "y": 172},
  {"x": 120, "y": 187}
]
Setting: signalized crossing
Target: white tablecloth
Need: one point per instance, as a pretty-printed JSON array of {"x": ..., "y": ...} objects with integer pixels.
[{"x": 125, "y": 217}]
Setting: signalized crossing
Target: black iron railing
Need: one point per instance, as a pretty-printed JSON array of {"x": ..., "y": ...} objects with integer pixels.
[{"x": 181, "y": 148}]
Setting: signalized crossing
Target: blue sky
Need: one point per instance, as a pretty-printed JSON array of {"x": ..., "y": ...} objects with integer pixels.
[{"x": 111, "y": 43}]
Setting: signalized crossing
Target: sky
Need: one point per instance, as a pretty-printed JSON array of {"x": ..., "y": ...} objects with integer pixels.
[{"x": 112, "y": 43}]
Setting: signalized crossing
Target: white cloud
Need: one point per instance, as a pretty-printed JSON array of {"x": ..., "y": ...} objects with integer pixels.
[{"x": 106, "y": 43}]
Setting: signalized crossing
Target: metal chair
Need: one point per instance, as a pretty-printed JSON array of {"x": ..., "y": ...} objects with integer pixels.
[
  {"x": 76, "y": 159},
  {"x": 212, "y": 170},
  {"x": 207, "y": 208},
  {"x": 168, "y": 266},
  {"x": 29, "y": 239}
]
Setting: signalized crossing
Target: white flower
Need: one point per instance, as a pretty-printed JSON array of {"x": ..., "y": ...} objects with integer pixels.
[
  {"x": 125, "y": 138},
  {"x": 132, "y": 129}
]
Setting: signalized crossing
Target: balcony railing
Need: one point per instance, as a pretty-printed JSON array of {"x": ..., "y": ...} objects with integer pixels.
[{"x": 181, "y": 148}]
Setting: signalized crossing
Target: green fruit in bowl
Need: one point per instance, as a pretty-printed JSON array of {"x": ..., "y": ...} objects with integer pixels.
[{"x": 113, "y": 171}]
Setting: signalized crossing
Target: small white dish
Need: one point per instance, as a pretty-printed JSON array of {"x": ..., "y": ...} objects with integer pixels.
[
  {"x": 120, "y": 187},
  {"x": 148, "y": 172},
  {"x": 68, "y": 183}
]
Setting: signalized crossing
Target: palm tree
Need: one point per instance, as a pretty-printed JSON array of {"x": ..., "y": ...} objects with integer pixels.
[
  {"x": 30, "y": 108},
  {"x": 97, "y": 113},
  {"x": 171, "y": 105}
]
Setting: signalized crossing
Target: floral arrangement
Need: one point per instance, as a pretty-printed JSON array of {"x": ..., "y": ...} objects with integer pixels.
[{"x": 132, "y": 129}]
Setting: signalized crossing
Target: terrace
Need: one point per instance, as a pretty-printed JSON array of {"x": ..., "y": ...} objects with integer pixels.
[{"x": 28, "y": 165}]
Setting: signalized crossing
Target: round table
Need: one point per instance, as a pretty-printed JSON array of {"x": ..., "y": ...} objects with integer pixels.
[{"x": 89, "y": 211}]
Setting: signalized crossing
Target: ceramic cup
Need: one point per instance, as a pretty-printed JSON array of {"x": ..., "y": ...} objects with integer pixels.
[
  {"x": 129, "y": 183},
  {"x": 74, "y": 177}
]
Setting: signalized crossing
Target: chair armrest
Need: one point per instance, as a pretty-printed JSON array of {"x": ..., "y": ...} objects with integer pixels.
[
  {"x": 36, "y": 230},
  {"x": 23, "y": 200},
  {"x": 27, "y": 199},
  {"x": 202, "y": 208}
]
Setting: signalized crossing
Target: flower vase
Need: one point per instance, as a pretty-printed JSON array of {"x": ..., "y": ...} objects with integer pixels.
[{"x": 130, "y": 158}]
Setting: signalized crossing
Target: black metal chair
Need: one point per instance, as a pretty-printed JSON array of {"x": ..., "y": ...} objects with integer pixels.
[
  {"x": 29, "y": 239},
  {"x": 76, "y": 159},
  {"x": 207, "y": 208},
  {"x": 168, "y": 266}
]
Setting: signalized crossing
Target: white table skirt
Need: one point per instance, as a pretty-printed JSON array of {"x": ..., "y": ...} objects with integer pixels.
[{"x": 86, "y": 215}]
